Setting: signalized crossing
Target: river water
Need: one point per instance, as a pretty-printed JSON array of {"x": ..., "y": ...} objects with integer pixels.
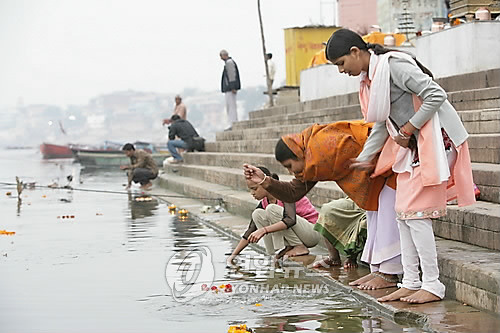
[{"x": 102, "y": 262}]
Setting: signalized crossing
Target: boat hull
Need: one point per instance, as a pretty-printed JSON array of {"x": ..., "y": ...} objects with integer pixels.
[
  {"x": 112, "y": 159},
  {"x": 55, "y": 151}
]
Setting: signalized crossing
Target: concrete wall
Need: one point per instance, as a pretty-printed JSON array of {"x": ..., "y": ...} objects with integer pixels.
[
  {"x": 325, "y": 81},
  {"x": 466, "y": 48},
  {"x": 463, "y": 49}
]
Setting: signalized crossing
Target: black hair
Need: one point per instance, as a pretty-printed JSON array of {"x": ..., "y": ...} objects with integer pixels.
[
  {"x": 268, "y": 173},
  {"x": 283, "y": 153},
  {"x": 128, "y": 146},
  {"x": 342, "y": 40},
  {"x": 175, "y": 117},
  {"x": 269, "y": 55}
]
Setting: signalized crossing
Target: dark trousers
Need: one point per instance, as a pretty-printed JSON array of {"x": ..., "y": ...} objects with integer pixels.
[{"x": 142, "y": 176}]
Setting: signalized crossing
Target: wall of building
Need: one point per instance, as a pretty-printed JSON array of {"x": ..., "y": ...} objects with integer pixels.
[
  {"x": 357, "y": 15},
  {"x": 422, "y": 13},
  {"x": 324, "y": 81},
  {"x": 466, "y": 48}
]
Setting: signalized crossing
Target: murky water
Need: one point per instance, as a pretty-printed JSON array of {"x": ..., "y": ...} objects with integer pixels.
[{"x": 103, "y": 270}]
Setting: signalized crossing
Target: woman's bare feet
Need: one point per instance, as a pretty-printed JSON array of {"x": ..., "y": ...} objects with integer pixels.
[
  {"x": 283, "y": 252},
  {"x": 350, "y": 263},
  {"x": 326, "y": 263},
  {"x": 397, "y": 295},
  {"x": 420, "y": 297},
  {"x": 380, "y": 281},
  {"x": 298, "y": 250},
  {"x": 361, "y": 280}
]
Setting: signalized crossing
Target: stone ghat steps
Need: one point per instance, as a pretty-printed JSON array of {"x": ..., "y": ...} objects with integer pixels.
[
  {"x": 470, "y": 273},
  {"x": 472, "y": 99},
  {"x": 486, "y": 175},
  {"x": 478, "y": 224},
  {"x": 323, "y": 115},
  {"x": 484, "y": 148},
  {"x": 465, "y": 84},
  {"x": 353, "y": 111},
  {"x": 485, "y": 121}
]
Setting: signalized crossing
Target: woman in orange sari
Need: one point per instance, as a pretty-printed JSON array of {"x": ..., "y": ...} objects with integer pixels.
[{"x": 324, "y": 153}]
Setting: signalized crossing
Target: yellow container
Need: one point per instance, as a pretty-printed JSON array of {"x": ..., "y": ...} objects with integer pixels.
[
  {"x": 378, "y": 38},
  {"x": 301, "y": 44}
]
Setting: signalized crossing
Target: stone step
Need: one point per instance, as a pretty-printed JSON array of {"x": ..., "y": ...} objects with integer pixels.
[
  {"x": 486, "y": 175},
  {"x": 322, "y": 103},
  {"x": 475, "y": 121},
  {"x": 471, "y": 273},
  {"x": 473, "y": 99},
  {"x": 455, "y": 86},
  {"x": 481, "y": 121},
  {"x": 325, "y": 115},
  {"x": 478, "y": 224},
  {"x": 484, "y": 148},
  {"x": 473, "y": 102},
  {"x": 483, "y": 79}
]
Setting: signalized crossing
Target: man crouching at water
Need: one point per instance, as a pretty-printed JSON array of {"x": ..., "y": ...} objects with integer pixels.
[{"x": 142, "y": 168}]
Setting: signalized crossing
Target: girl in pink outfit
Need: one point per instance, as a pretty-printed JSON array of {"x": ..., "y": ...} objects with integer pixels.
[
  {"x": 287, "y": 227},
  {"x": 420, "y": 136}
]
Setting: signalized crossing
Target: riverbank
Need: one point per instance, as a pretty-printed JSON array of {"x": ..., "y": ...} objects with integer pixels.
[{"x": 444, "y": 316}]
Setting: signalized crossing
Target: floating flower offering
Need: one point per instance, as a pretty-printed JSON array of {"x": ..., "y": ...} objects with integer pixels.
[
  {"x": 227, "y": 288},
  {"x": 183, "y": 213},
  {"x": 8, "y": 233},
  {"x": 172, "y": 208},
  {"x": 8, "y": 194},
  {"x": 143, "y": 198},
  {"x": 238, "y": 329},
  {"x": 66, "y": 217}
]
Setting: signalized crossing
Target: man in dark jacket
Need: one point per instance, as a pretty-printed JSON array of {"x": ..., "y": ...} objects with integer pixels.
[
  {"x": 189, "y": 138},
  {"x": 230, "y": 84}
]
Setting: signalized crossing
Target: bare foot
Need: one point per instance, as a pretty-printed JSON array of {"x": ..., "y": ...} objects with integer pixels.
[
  {"x": 380, "y": 281},
  {"x": 350, "y": 263},
  {"x": 420, "y": 297},
  {"x": 326, "y": 263},
  {"x": 397, "y": 295},
  {"x": 299, "y": 250},
  {"x": 283, "y": 252},
  {"x": 146, "y": 186},
  {"x": 361, "y": 280}
]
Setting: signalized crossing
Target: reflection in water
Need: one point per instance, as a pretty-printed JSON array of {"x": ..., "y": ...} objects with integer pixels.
[
  {"x": 19, "y": 204},
  {"x": 139, "y": 222},
  {"x": 185, "y": 233}
]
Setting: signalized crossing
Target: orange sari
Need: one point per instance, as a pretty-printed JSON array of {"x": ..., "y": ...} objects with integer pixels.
[{"x": 327, "y": 150}]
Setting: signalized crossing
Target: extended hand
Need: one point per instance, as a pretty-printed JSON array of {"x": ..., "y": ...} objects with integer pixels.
[
  {"x": 256, "y": 235},
  {"x": 123, "y": 167},
  {"x": 366, "y": 166},
  {"x": 402, "y": 141},
  {"x": 253, "y": 173}
]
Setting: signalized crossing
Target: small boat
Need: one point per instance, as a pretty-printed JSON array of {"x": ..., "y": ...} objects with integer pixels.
[
  {"x": 115, "y": 157},
  {"x": 55, "y": 151}
]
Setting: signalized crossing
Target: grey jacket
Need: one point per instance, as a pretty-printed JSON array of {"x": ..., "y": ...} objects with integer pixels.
[
  {"x": 406, "y": 80},
  {"x": 230, "y": 76}
]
